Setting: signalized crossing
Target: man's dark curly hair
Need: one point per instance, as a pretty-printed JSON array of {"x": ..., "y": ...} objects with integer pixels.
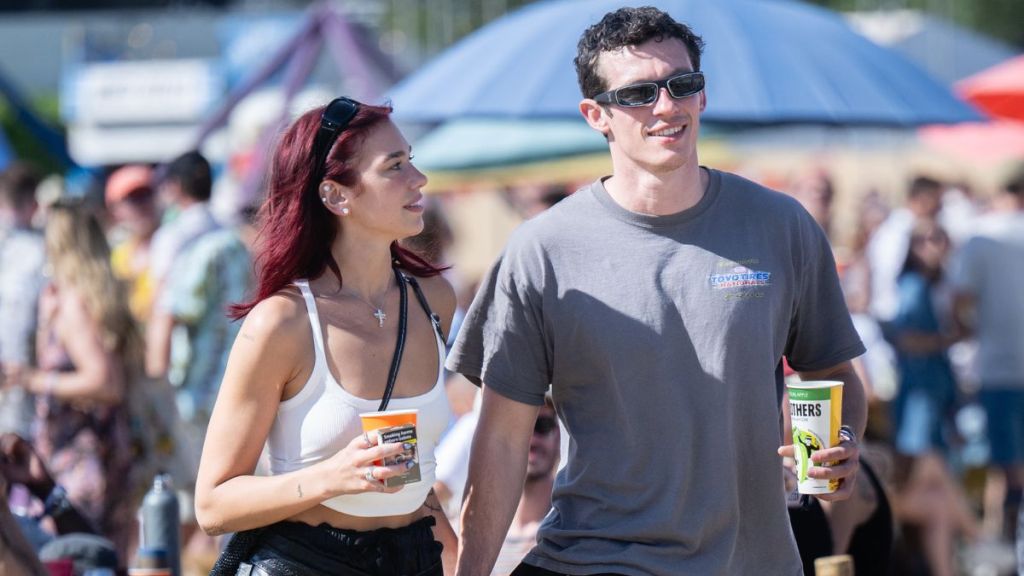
[{"x": 628, "y": 27}]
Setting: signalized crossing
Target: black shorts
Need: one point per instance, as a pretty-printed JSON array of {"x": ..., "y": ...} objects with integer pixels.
[{"x": 296, "y": 549}]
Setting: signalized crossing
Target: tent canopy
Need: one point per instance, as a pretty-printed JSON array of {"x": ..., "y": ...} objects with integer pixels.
[{"x": 998, "y": 90}]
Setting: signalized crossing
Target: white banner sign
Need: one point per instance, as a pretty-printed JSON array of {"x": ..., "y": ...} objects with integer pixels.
[{"x": 144, "y": 92}]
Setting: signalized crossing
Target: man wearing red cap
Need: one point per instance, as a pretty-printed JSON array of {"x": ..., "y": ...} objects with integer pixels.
[{"x": 131, "y": 200}]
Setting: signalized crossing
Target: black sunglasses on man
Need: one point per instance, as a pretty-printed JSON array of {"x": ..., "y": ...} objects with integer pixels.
[{"x": 646, "y": 93}]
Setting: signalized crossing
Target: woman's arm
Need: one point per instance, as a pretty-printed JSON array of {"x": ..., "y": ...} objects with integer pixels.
[
  {"x": 270, "y": 352},
  {"x": 98, "y": 374}
]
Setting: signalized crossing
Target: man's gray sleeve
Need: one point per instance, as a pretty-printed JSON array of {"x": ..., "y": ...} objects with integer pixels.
[
  {"x": 821, "y": 333},
  {"x": 502, "y": 341}
]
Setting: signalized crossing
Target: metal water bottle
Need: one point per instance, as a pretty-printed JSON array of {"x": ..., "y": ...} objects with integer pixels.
[
  {"x": 17, "y": 409},
  {"x": 161, "y": 526}
]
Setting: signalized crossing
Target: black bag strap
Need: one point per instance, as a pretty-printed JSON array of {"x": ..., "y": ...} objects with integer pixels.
[
  {"x": 434, "y": 318},
  {"x": 396, "y": 360}
]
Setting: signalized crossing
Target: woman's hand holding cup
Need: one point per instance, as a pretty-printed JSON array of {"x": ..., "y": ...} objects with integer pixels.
[{"x": 355, "y": 467}]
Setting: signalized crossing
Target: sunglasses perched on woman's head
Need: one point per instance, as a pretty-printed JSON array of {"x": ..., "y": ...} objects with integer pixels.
[
  {"x": 646, "y": 93},
  {"x": 333, "y": 121}
]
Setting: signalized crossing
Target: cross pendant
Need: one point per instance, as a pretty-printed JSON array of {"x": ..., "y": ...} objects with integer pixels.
[{"x": 380, "y": 316}]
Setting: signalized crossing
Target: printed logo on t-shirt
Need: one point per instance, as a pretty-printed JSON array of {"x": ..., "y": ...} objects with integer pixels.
[{"x": 740, "y": 277}]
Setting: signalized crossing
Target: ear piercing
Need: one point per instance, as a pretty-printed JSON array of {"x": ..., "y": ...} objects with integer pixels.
[{"x": 326, "y": 189}]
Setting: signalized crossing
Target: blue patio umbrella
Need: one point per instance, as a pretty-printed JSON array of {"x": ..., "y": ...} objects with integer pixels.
[{"x": 766, "y": 62}]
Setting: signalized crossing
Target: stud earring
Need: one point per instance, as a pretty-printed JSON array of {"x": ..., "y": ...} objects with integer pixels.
[
  {"x": 323, "y": 199},
  {"x": 345, "y": 211},
  {"x": 326, "y": 188}
]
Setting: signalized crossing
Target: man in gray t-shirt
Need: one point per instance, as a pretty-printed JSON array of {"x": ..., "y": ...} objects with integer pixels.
[
  {"x": 988, "y": 276},
  {"x": 658, "y": 304}
]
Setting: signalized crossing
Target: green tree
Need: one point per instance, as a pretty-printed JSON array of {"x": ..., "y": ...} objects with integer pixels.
[
  {"x": 23, "y": 144},
  {"x": 997, "y": 18},
  {"x": 426, "y": 27}
]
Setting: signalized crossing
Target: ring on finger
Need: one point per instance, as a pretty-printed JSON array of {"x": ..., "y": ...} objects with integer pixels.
[
  {"x": 366, "y": 439},
  {"x": 369, "y": 475}
]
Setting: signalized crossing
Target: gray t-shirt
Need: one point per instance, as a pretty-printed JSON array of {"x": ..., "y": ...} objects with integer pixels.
[
  {"x": 662, "y": 339},
  {"x": 990, "y": 266}
]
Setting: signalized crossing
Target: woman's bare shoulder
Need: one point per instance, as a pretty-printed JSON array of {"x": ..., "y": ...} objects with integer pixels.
[
  {"x": 280, "y": 319},
  {"x": 441, "y": 296}
]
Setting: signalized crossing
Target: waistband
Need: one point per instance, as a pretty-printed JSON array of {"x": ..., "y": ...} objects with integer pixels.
[
  {"x": 324, "y": 549},
  {"x": 334, "y": 540}
]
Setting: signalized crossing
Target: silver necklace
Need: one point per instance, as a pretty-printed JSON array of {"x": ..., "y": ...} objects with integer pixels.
[{"x": 378, "y": 311}]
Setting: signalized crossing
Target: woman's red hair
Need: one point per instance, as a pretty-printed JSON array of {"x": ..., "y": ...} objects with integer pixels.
[{"x": 296, "y": 231}]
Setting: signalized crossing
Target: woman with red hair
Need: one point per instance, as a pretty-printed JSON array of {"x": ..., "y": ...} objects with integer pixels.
[{"x": 316, "y": 349}]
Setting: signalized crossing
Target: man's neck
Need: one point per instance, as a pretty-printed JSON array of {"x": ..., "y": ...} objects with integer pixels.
[
  {"x": 645, "y": 192},
  {"x": 186, "y": 202}
]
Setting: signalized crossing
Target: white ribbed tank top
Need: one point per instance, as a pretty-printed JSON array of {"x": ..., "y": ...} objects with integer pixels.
[{"x": 323, "y": 418}]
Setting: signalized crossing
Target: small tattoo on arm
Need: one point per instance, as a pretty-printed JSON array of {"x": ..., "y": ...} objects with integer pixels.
[
  {"x": 248, "y": 336},
  {"x": 299, "y": 488},
  {"x": 432, "y": 503}
]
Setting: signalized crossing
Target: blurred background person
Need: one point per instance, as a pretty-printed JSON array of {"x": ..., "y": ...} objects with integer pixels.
[
  {"x": 21, "y": 464},
  {"x": 89, "y": 350},
  {"x": 812, "y": 187},
  {"x": 855, "y": 267},
  {"x": 22, "y": 255},
  {"x": 17, "y": 556},
  {"x": 528, "y": 200},
  {"x": 199, "y": 267},
  {"x": 131, "y": 200},
  {"x": 887, "y": 249},
  {"x": 72, "y": 537},
  {"x": 436, "y": 239},
  {"x": 988, "y": 276},
  {"x": 879, "y": 362},
  {"x": 928, "y": 496}
]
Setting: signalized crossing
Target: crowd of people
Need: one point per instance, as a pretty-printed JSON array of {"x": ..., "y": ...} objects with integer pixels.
[
  {"x": 942, "y": 329},
  {"x": 116, "y": 340},
  {"x": 629, "y": 415}
]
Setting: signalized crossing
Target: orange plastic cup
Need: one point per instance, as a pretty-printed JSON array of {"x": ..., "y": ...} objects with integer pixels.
[
  {"x": 377, "y": 420},
  {"x": 373, "y": 421},
  {"x": 396, "y": 426}
]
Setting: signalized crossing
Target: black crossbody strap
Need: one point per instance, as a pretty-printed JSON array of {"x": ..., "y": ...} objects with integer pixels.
[
  {"x": 396, "y": 360},
  {"x": 434, "y": 318}
]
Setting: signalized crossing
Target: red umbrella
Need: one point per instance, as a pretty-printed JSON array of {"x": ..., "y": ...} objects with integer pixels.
[
  {"x": 980, "y": 142},
  {"x": 999, "y": 90}
]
